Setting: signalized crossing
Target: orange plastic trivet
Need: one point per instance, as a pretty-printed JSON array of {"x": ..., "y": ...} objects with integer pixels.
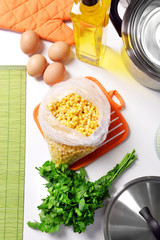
[{"x": 118, "y": 128}]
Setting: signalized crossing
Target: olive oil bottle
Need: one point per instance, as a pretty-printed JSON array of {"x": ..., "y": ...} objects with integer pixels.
[{"x": 90, "y": 18}]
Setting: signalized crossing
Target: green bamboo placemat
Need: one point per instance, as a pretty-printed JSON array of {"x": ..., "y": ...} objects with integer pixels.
[{"x": 12, "y": 150}]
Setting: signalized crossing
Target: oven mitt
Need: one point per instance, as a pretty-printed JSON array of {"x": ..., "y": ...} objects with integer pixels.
[{"x": 45, "y": 17}]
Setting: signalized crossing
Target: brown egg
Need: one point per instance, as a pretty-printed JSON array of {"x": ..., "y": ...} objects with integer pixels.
[
  {"x": 54, "y": 73},
  {"x": 29, "y": 42},
  {"x": 36, "y": 65},
  {"x": 59, "y": 51}
]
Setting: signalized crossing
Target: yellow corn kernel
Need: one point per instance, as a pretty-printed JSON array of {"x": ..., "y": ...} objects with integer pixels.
[
  {"x": 62, "y": 153},
  {"x": 50, "y": 106},
  {"x": 77, "y": 113}
]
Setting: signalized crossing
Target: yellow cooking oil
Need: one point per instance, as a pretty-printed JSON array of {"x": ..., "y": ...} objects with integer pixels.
[{"x": 90, "y": 18}]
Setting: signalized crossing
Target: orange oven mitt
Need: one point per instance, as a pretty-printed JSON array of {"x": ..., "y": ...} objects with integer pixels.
[{"x": 45, "y": 17}]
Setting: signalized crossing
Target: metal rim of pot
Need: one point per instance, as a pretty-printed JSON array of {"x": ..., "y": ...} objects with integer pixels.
[
  {"x": 127, "y": 30},
  {"x": 144, "y": 212}
]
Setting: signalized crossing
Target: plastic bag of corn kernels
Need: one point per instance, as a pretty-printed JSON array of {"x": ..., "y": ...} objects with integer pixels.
[{"x": 74, "y": 116}]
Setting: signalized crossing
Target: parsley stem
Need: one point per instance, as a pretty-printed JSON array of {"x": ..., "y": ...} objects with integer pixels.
[{"x": 125, "y": 163}]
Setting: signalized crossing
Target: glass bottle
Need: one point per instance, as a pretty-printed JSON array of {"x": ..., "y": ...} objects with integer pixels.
[{"x": 90, "y": 18}]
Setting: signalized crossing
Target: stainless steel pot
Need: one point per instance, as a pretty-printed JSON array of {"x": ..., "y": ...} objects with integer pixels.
[
  {"x": 134, "y": 212},
  {"x": 140, "y": 32},
  {"x": 124, "y": 3}
]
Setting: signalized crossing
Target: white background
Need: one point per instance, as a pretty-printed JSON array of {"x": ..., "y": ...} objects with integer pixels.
[{"x": 141, "y": 111}]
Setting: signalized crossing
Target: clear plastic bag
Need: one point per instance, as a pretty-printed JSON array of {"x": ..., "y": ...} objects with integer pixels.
[{"x": 67, "y": 145}]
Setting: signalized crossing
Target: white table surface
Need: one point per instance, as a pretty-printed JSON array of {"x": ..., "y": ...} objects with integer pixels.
[{"x": 141, "y": 111}]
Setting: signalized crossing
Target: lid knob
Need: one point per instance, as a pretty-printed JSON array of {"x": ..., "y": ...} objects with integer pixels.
[{"x": 152, "y": 223}]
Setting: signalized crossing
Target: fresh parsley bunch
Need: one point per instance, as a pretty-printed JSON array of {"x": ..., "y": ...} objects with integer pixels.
[{"x": 72, "y": 198}]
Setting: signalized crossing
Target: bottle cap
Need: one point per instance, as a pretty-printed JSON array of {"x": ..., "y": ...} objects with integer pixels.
[{"x": 89, "y": 2}]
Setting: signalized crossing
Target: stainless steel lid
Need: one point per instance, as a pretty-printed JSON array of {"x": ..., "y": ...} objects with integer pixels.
[
  {"x": 141, "y": 29},
  {"x": 122, "y": 218}
]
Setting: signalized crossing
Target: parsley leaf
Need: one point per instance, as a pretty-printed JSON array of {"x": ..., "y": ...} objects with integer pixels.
[{"x": 72, "y": 198}]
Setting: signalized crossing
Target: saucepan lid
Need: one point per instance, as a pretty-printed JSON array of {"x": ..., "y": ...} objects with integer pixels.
[{"x": 134, "y": 213}]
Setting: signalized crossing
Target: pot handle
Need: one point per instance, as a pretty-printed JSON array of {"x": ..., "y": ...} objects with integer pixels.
[
  {"x": 152, "y": 223},
  {"x": 114, "y": 16}
]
